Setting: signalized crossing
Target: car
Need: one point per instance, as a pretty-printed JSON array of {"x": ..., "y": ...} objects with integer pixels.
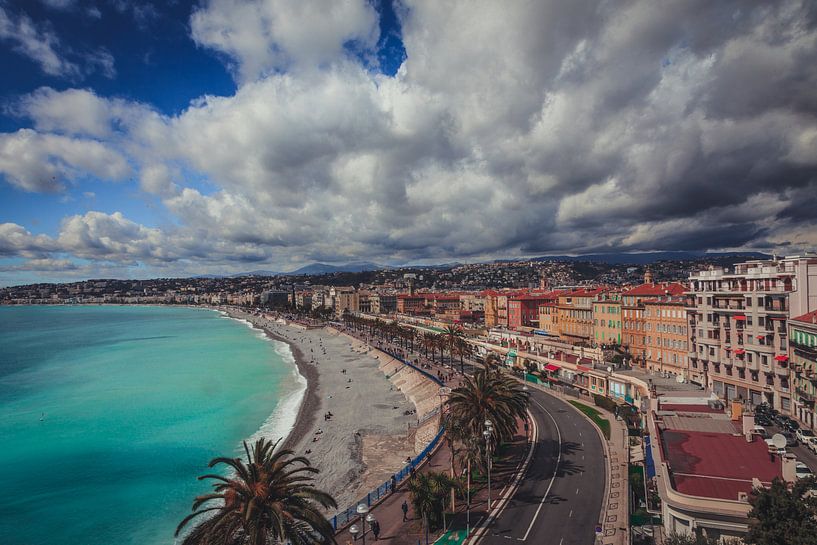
[
  {"x": 804, "y": 435},
  {"x": 811, "y": 444},
  {"x": 763, "y": 420},
  {"x": 760, "y": 431},
  {"x": 792, "y": 425},
  {"x": 801, "y": 471}
]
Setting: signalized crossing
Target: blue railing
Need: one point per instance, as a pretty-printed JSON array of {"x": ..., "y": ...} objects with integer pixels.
[{"x": 350, "y": 513}]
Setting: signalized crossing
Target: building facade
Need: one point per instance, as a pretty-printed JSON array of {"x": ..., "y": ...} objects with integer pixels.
[
  {"x": 803, "y": 362},
  {"x": 666, "y": 328},
  {"x": 738, "y": 327},
  {"x": 607, "y": 318}
]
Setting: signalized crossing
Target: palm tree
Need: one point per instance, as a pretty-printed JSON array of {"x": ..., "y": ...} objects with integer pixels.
[
  {"x": 428, "y": 492},
  {"x": 451, "y": 334},
  {"x": 268, "y": 498},
  {"x": 493, "y": 361},
  {"x": 488, "y": 395}
]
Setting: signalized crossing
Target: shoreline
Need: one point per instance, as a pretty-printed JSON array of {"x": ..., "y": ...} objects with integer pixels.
[{"x": 373, "y": 424}]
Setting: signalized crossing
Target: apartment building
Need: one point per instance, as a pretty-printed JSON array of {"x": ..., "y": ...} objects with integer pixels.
[
  {"x": 803, "y": 363},
  {"x": 380, "y": 303},
  {"x": 607, "y": 318},
  {"x": 345, "y": 299},
  {"x": 738, "y": 327},
  {"x": 633, "y": 318},
  {"x": 666, "y": 328},
  {"x": 410, "y": 304},
  {"x": 575, "y": 314},
  {"x": 523, "y": 310}
]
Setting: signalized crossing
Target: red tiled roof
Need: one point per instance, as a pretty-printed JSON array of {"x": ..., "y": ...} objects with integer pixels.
[
  {"x": 657, "y": 290},
  {"x": 808, "y": 318},
  {"x": 717, "y": 465}
]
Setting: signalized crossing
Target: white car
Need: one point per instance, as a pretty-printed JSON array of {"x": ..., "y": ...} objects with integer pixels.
[
  {"x": 805, "y": 435},
  {"x": 811, "y": 444},
  {"x": 802, "y": 471}
]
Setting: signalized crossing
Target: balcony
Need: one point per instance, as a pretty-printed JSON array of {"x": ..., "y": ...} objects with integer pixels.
[
  {"x": 805, "y": 395},
  {"x": 781, "y": 371}
]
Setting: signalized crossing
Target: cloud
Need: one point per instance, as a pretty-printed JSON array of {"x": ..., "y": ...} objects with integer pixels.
[
  {"x": 265, "y": 36},
  {"x": 44, "y": 162},
  {"x": 41, "y": 44},
  {"x": 519, "y": 129},
  {"x": 38, "y": 44}
]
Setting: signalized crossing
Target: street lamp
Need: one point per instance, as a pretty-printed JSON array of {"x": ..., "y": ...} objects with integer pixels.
[
  {"x": 354, "y": 530},
  {"x": 370, "y": 519},
  {"x": 362, "y": 510},
  {"x": 489, "y": 429}
]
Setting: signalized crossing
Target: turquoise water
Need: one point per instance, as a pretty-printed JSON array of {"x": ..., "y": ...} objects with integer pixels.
[{"x": 108, "y": 415}]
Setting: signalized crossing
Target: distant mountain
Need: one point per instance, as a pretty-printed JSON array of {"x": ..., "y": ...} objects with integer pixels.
[
  {"x": 651, "y": 257},
  {"x": 255, "y": 273},
  {"x": 323, "y": 268}
]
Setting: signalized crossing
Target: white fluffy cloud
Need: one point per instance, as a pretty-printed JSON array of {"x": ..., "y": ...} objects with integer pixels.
[
  {"x": 264, "y": 36},
  {"x": 529, "y": 127}
]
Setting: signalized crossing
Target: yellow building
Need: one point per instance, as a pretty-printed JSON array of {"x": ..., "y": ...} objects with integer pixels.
[
  {"x": 575, "y": 314},
  {"x": 607, "y": 318}
]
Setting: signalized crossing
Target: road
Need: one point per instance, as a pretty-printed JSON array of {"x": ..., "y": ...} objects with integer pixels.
[{"x": 561, "y": 495}]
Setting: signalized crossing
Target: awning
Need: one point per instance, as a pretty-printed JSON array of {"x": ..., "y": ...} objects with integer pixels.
[
  {"x": 781, "y": 358},
  {"x": 740, "y": 317},
  {"x": 761, "y": 336},
  {"x": 551, "y": 367},
  {"x": 740, "y": 351}
]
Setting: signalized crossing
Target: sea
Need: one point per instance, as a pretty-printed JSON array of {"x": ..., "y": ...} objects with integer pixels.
[{"x": 109, "y": 413}]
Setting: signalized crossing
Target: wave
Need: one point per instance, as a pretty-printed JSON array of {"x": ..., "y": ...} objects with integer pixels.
[{"x": 282, "y": 420}]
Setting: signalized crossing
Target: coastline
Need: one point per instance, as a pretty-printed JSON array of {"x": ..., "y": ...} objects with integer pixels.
[{"x": 370, "y": 433}]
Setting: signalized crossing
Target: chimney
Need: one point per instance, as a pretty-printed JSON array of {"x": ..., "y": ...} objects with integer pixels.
[{"x": 789, "y": 468}]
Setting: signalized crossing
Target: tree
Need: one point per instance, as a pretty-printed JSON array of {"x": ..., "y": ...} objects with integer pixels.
[
  {"x": 428, "y": 492},
  {"x": 782, "y": 515},
  {"x": 267, "y": 498},
  {"x": 488, "y": 395},
  {"x": 452, "y": 334}
]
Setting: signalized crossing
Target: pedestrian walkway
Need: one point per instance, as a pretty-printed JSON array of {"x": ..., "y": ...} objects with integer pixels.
[{"x": 389, "y": 512}]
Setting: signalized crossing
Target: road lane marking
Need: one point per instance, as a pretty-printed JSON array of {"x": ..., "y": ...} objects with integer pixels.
[
  {"x": 577, "y": 491},
  {"x": 555, "y": 471},
  {"x": 570, "y": 516}
]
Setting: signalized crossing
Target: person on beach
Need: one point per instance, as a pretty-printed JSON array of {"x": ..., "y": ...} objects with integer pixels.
[{"x": 404, "y": 507}]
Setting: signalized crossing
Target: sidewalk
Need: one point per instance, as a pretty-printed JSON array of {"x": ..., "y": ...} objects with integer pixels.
[{"x": 390, "y": 515}]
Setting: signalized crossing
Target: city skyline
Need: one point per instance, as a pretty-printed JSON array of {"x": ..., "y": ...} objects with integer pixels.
[{"x": 144, "y": 140}]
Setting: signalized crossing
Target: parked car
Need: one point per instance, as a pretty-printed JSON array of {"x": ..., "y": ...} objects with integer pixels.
[
  {"x": 802, "y": 471},
  {"x": 792, "y": 425},
  {"x": 763, "y": 420},
  {"x": 760, "y": 431},
  {"x": 804, "y": 436},
  {"x": 811, "y": 444}
]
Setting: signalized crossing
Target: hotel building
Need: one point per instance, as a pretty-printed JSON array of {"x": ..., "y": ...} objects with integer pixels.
[{"x": 737, "y": 327}]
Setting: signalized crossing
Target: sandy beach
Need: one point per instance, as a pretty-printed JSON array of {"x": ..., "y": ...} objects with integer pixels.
[{"x": 370, "y": 434}]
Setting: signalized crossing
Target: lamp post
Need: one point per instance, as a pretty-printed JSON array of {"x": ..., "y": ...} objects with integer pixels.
[
  {"x": 370, "y": 519},
  {"x": 362, "y": 510},
  {"x": 444, "y": 392},
  {"x": 354, "y": 530},
  {"x": 489, "y": 429}
]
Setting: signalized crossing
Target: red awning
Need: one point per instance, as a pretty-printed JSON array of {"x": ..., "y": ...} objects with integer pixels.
[
  {"x": 761, "y": 336},
  {"x": 781, "y": 358},
  {"x": 740, "y": 317},
  {"x": 740, "y": 351},
  {"x": 551, "y": 367}
]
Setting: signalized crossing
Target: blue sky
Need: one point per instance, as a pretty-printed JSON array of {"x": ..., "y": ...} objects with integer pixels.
[{"x": 152, "y": 138}]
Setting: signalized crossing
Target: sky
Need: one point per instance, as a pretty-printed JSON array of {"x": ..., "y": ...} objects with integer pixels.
[{"x": 169, "y": 138}]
